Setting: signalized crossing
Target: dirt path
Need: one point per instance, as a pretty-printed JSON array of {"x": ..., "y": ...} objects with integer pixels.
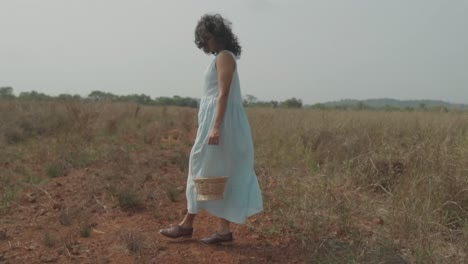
[{"x": 39, "y": 229}]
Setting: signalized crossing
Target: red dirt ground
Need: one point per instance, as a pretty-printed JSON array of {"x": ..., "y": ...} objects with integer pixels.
[{"x": 38, "y": 212}]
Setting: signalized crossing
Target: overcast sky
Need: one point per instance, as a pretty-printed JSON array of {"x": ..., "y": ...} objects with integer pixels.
[{"x": 316, "y": 50}]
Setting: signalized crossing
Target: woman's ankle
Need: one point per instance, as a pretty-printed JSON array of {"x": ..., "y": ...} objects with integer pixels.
[
  {"x": 187, "y": 222},
  {"x": 224, "y": 227}
]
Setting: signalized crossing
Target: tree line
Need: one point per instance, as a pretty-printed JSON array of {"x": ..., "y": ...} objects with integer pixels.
[
  {"x": 252, "y": 101},
  {"x": 7, "y": 93}
]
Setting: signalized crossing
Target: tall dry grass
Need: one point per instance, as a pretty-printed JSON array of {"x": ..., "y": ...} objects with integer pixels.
[
  {"x": 351, "y": 186},
  {"x": 358, "y": 186}
]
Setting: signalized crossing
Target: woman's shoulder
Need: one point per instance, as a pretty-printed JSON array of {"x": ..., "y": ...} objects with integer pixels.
[
  {"x": 226, "y": 58},
  {"x": 227, "y": 53}
]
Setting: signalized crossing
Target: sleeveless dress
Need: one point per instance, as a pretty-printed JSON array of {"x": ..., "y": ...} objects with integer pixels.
[{"x": 232, "y": 157}]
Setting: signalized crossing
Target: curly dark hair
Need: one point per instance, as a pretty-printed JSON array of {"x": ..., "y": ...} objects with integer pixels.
[{"x": 220, "y": 28}]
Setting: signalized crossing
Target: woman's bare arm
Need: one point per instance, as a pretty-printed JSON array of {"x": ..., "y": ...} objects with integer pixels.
[{"x": 225, "y": 67}]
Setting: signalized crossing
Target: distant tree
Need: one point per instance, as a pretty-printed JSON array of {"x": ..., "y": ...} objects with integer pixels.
[
  {"x": 274, "y": 104},
  {"x": 249, "y": 100},
  {"x": 66, "y": 97},
  {"x": 137, "y": 98},
  {"x": 292, "y": 103},
  {"x": 319, "y": 106},
  {"x": 144, "y": 99},
  {"x": 362, "y": 106},
  {"x": 6, "y": 93},
  {"x": 163, "y": 100},
  {"x": 100, "y": 96},
  {"x": 33, "y": 95},
  {"x": 96, "y": 95},
  {"x": 187, "y": 102},
  {"x": 177, "y": 100},
  {"x": 341, "y": 107}
]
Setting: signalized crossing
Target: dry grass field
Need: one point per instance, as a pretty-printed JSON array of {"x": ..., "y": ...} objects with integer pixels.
[{"x": 84, "y": 182}]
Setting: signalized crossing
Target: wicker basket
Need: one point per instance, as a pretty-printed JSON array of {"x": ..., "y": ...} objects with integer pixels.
[{"x": 210, "y": 188}]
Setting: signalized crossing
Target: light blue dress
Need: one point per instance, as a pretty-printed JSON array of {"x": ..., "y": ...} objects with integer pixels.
[{"x": 233, "y": 157}]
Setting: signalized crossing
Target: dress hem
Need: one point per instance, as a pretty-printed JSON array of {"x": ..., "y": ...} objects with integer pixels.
[{"x": 230, "y": 220}]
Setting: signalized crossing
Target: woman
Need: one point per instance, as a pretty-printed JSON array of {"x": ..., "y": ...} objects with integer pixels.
[{"x": 223, "y": 146}]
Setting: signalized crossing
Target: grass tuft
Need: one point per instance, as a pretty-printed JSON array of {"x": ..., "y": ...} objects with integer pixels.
[
  {"x": 129, "y": 198},
  {"x": 134, "y": 241},
  {"x": 49, "y": 240}
]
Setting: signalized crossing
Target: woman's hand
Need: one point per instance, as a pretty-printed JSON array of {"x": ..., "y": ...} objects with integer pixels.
[{"x": 213, "y": 136}]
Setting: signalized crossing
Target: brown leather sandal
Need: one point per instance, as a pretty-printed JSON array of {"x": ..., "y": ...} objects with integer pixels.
[
  {"x": 218, "y": 239},
  {"x": 177, "y": 232}
]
